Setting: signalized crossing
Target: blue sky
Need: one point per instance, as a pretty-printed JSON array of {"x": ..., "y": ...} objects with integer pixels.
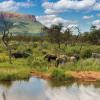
[{"x": 70, "y": 13}]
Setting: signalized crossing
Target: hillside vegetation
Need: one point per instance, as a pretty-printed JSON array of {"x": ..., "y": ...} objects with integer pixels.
[
  {"x": 28, "y": 50},
  {"x": 25, "y": 24}
]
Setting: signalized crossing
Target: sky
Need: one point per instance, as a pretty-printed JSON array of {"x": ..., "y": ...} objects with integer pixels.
[{"x": 70, "y": 13}]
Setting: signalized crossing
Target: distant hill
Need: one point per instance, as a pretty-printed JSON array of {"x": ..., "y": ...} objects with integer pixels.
[{"x": 26, "y": 24}]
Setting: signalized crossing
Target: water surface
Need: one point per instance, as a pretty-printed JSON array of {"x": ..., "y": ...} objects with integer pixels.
[{"x": 38, "y": 89}]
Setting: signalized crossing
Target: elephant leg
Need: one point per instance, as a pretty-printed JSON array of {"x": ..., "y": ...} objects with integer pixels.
[{"x": 57, "y": 64}]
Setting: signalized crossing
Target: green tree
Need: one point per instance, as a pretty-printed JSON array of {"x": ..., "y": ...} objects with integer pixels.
[
  {"x": 67, "y": 36},
  {"x": 94, "y": 35},
  {"x": 5, "y": 26},
  {"x": 54, "y": 34}
]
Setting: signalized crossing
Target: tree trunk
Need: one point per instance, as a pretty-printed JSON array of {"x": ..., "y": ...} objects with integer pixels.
[
  {"x": 66, "y": 43},
  {"x": 10, "y": 60},
  {"x": 59, "y": 45},
  {"x": 5, "y": 41}
]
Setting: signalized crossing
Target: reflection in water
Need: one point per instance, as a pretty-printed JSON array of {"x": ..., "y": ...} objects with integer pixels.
[
  {"x": 6, "y": 83},
  {"x": 3, "y": 96},
  {"x": 37, "y": 89}
]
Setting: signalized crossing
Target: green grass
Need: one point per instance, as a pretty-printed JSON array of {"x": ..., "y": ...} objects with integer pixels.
[
  {"x": 17, "y": 70},
  {"x": 14, "y": 73},
  {"x": 89, "y": 64},
  {"x": 21, "y": 68}
]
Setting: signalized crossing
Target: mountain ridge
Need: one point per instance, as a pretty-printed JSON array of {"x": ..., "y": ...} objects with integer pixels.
[
  {"x": 10, "y": 15},
  {"x": 27, "y": 24}
]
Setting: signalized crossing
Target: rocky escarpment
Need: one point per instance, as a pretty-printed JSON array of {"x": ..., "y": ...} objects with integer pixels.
[{"x": 20, "y": 16}]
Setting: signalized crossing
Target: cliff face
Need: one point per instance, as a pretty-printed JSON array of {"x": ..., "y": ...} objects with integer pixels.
[
  {"x": 26, "y": 24},
  {"x": 20, "y": 16}
]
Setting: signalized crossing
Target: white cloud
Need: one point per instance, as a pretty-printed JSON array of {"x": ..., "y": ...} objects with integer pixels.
[
  {"x": 98, "y": 15},
  {"x": 49, "y": 20},
  {"x": 97, "y": 6},
  {"x": 52, "y": 11},
  {"x": 88, "y": 17},
  {"x": 73, "y": 92},
  {"x": 64, "y": 5},
  {"x": 96, "y": 23},
  {"x": 69, "y": 5},
  {"x": 12, "y": 5}
]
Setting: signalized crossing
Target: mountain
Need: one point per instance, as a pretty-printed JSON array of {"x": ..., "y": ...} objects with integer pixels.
[
  {"x": 20, "y": 16},
  {"x": 25, "y": 24}
]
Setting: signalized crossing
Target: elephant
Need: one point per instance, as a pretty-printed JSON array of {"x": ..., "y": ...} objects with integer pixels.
[
  {"x": 50, "y": 57},
  {"x": 62, "y": 59},
  {"x": 20, "y": 55},
  {"x": 95, "y": 55}
]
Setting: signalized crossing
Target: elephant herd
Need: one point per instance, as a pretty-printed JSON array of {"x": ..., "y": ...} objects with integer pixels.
[{"x": 61, "y": 59}]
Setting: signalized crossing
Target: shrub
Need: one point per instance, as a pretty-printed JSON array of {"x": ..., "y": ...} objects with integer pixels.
[
  {"x": 58, "y": 75},
  {"x": 29, "y": 51},
  {"x": 3, "y": 57},
  {"x": 36, "y": 62},
  {"x": 45, "y": 45},
  {"x": 90, "y": 65},
  {"x": 86, "y": 53},
  {"x": 35, "y": 45}
]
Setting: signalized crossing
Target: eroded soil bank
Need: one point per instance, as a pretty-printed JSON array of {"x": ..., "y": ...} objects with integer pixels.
[{"x": 87, "y": 76}]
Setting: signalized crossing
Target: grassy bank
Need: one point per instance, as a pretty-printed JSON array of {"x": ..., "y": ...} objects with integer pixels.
[
  {"x": 21, "y": 68},
  {"x": 17, "y": 70}
]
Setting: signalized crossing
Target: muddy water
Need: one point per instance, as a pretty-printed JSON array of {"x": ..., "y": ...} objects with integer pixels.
[{"x": 38, "y": 89}]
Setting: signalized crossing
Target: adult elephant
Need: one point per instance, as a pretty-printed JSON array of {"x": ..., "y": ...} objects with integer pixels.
[
  {"x": 20, "y": 55},
  {"x": 50, "y": 57}
]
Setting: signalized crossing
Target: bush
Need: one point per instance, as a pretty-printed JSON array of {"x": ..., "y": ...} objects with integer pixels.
[
  {"x": 3, "y": 57},
  {"x": 35, "y": 45},
  {"x": 36, "y": 62},
  {"x": 45, "y": 45},
  {"x": 86, "y": 53},
  {"x": 58, "y": 75},
  {"x": 89, "y": 65},
  {"x": 29, "y": 51}
]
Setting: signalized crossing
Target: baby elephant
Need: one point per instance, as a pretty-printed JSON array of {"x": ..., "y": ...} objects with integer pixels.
[
  {"x": 74, "y": 58},
  {"x": 62, "y": 59}
]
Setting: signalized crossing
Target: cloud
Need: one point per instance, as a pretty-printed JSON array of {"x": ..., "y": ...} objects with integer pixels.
[
  {"x": 52, "y": 11},
  {"x": 49, "y": 20},
  {"x": 12, "y": 5},
  {"x": 96, "y": 23},
  {"x": 98, "y": 15},
  {"x": 88, "y": 17},
  {"x": 97, "y": 6},
  {"x": 73, "y": 92},
  {"x": 70, "y": 5}
]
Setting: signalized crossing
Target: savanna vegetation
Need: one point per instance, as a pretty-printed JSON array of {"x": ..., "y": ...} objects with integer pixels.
[{"x": 21, "y": 54}]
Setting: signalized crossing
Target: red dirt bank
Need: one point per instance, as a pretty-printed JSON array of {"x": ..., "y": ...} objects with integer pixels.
[{"x": 89, "y": 76}]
